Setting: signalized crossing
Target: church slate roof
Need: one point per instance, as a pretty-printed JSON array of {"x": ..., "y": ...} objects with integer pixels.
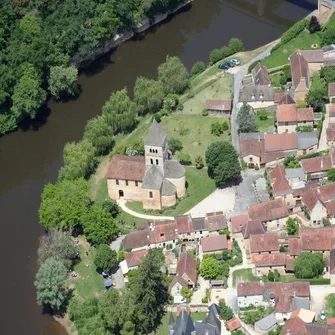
[
  {"x": 173, "y": 169},
  {"x": 168, "y": 188},
  {"x": 153, "y": 179},
  {"x": 156, "y": 136},
  {"x": 184, "y": 324},
  {"x": 213, "y": 318}
]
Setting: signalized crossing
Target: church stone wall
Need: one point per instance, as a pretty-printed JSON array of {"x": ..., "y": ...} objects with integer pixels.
[
  {"x": 180, "y": 186},
  {"x": 168, "y": 200},
  {"x": 130, "y": 192},
  {"x": 154, "y": 202}
]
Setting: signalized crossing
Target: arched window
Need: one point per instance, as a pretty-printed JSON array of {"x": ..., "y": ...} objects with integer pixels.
[
  {"x": 151, "y": 161},
  {"x": 151, "y": 195},
  {"x": 156, "y": 161}
]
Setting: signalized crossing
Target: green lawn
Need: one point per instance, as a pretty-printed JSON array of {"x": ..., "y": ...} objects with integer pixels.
[
  {"x": 263, "y": 125},
  {"x": 163, "y": 328},
  {"x": 88, "y": 283},
  {"x": 199, "y": 186},
  {"x": 243, "y": 275},
  {"x": 280, "y": 56},
  {"x": 275, "y": 78}
]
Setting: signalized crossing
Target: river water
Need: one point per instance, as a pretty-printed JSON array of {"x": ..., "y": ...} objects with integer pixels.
[{"x": 31, "y": 157}]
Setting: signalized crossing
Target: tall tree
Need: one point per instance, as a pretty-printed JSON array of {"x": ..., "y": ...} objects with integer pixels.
[
  {"x": 309, "y": 265},
  {"x": 64, "y": 204},
  {"x": 328, "y": 74},
  {"x": 173, "y": 76},
  {"x": 292, "y": 227},
  {"x": 148, "y": 95},
  {"x": 209, "y": 268},
  {"x": 150, "y": 291},
  {"x": 79, "y": 160},
  {"x": 317, "y": 92},
  {"x": 57, "y": 244},
  {"x": 100, "y": 134},
  {"x": 246, "y": 119},
  {"x": 222, "y": 161},
  {"x": 99, "y": 225},
  {"x": 63, "y": 81},
  {"x": 105, "y": 258},
  {"x": 50, "y": 284},
  {"x": 235, "y": 45}
]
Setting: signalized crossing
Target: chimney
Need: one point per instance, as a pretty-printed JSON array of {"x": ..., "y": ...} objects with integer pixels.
[
  {"x": 259, "y": 138},
  {"x": 321, "y": 162}
]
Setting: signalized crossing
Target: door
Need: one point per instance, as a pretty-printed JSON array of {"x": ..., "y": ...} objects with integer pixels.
[{"x": 121, "y": 195}]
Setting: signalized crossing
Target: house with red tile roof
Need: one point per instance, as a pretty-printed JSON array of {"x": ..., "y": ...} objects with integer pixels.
[
  {"x": 317, "y": 167},
  {"x": 317, "y": 239},
  {"x": 296, "y": 326},
  {"x": 265, "y": 263},
  {"x": 213, "y": 244},
  {"x": 264, "y": 244},
  {"x": 330, "y": 133},
  {"x": 238, "y": 222},
  {"x": 155, "y": 179},
  {"x": 219, "y": 107},
  {"x": 273, "y": 214},
  {"x": 283, "y": 297},
  {"x": 331, "y": 91},
  {"x": 289, "y": 117},
  {"x": 320, "y": 203},
  {"x": 187, "y": 269}
]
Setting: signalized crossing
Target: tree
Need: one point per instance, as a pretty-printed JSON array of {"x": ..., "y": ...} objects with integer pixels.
[
  {"x": 170, "y": 103},
  {"x": 186, "y": 293},
  {"x": 246, "y": 119},
  {"x": 64, "y": 204},
  {"x": 148, "y": 95},
  {"x": 291, "y": 162},
  {"x": 58, "y": 245},
  {"x": 225, "y": 311},
  {"x": 292, "y": 227},
  {"x": 184, "y": 158},
  {"x": 331, "y": 175},
  {"x": 235, "y": 45},
  {"x": 79, "y": 160},
  {"x": 128, "y": 328},
  {"x": 63, "y": 81},
  {"x": 273, "y": 276},
  {"x": 197, "y": 68},
  {"x": 304, "y": 129},
  {"x": 120, "y": 112},
  {"x": 50, "y": 284},
  {"x": 99, "y": 226},
  {"x": 199, "y": 162},
  {"x": 217, "y": 128},
  {"x": 111, "y": 207},
  {"x": 285, "y": 75},
  {"x": 173, "y": 76},
  {"x": 209, "y": 268},
  {"x": 328, "y": 36},
  {"x": 328, "y": 74},
  {"x": 222, "y": 162},
  {"x": 214, "y": 56},
  {"x": 309, "y": 265},
  {"x": 28, "y": 96},
  {"x": 314, "y": 25},
  {"x": 100, "y": 134},
  {"x": 175, "y": 145},
  {"x": 150, "y": 291},
  {"x": 105, "y": 258},
  {"x": 317, "y": 92}
]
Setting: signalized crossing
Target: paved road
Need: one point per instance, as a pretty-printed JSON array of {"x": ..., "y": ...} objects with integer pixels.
[
  {"x": 323, "y": 138},
  {"x": 318, "y": 296},
  {"x": 115, "y": 245},
  {"x": 238, "y": 77}
]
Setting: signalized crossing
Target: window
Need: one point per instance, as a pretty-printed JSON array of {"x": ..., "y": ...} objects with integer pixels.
[
  {"x": 126, "y": 182},
  {"x": 200, "y": 231},
  {"x": 151, "y": 161},
  {"x": 161, "y": 234},
  {"x": 136, "y": 183},
  {"x": 117, "y": 181},
  {"x": 250, "y": 159},
  {"x": 156, "y": 161},
  {"x": 150, "y": 150},
  {"x": 150, "y": 195}
]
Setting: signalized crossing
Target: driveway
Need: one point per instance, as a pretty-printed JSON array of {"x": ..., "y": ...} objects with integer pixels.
[
  {"x": 115, "y": 245},
  {"x": 323, "y": 138},
  {"x": 118, "y": 279},
  {"x": 318, "y": 296},
  {"x": 201, "y": 292}
]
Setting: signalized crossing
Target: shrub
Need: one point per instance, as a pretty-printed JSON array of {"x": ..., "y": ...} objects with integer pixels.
[
  {"x": 217, "y": 128},
  {"x": 314, "y": 25},
  {"x": 199, "y": 162},
  {"x": 157, "y": 117},
  {"x": 294, "y": 31},
  {"x": 235, "y": 45},
  {"x": 175, "y": 145},
  {"x": 171, "y": 102},
  {"x": 256, "y": 167},
  {"x": 180, "y": 106},
  {"x": 252, "y": 65},
  {"x": 263, "y": 115},
  {"x": 304, "y": 129},
  {"x": 204, "y": 112},
  {"x": 184, "y": 158},
  {"x": 197, "y": 68},
  {"x": 302, "y": 104},
  {"x": 226, "y": 52},
  {"x": 285, "y": 75},
  {"x": 214, "y": 56}
]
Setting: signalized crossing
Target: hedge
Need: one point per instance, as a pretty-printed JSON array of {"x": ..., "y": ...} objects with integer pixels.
[
  {"x": 315, "y": 154},
  {"x": 319, "y": 281}
]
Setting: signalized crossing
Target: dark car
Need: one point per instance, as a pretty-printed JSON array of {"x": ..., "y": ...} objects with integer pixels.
[
  {"x": 231, "y": 63},
  {"x": 224, "y": 66}
]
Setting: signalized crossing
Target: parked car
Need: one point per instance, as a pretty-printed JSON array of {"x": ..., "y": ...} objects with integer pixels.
[
  {"x": 322, "y": 314},
  {"x": 236, "y": 61},
  {"x": 224, "y": 66},
  {"x": 231, "y": 63}
]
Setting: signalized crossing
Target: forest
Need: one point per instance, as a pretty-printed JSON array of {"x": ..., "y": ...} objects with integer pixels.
[{"x": 38, "y": 38}]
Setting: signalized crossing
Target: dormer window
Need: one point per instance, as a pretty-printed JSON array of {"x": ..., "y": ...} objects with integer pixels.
[
  {"x": 253, "y": 96},
  {"x": 261, "y": 95}
]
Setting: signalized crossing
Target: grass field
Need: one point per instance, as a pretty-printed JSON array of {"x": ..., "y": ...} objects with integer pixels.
[
  {"x": 243, "y": 275},
  {"x": 199, "y": 187},
  {"x": 263, "y": 125},
  {"x": 89, "y": 283},
  {"x": 280, "y": 56},
  {"x": 163, "y": 328},
  {"x": 275, "y": 78}
]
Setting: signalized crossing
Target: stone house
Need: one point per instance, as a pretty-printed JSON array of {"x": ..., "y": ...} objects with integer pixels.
[
  {"x": 155, "y": 179},
  {"x": 187, "y": 269},
  {"x": 283, "y": 297},
  {"x": 175, "y": 288},
  {"x": 257, "y": 96},
  {"x": 332, "y": 267},
  {"x": 330, "y": 133},
  {"x": 260, "y": 75},
  {"x": 331, "y": 109},
  {"x": 132, "y": 261},
  {"x": 237, "y": 223},
  {"x": 219, "y": 107},
  {"x": 269, "y": 262},
  {"x": 213, "y": 244},
  {"x": 289, "y": 117},
  {"x": 331, "y": 91},
  {"x": 273, "y": 214},
  {"x": 263, "y": 244}
]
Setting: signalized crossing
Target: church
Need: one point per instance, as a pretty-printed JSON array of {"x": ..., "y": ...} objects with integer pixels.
[{"x": 155, "y": 179}]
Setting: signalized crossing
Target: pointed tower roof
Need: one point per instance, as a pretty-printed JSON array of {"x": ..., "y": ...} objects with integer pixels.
[
  {"x": 156, "y": 136},
  {"x": 171, "y": 321},
  {"x": 213, "y": 318},
  {"x": 184, "y": 324}
]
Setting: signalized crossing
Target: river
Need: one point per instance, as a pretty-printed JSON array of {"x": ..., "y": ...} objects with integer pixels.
[{"x": 32, "y": 156}]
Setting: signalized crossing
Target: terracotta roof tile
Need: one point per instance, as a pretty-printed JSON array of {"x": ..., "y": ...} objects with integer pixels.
[
  {"x": 238, "y": 222},
  {"x": 250, "y": 147},
  {"x": 234, "y": 324},
  {"x": 135, "y": 258},
  {"x": 279, "y": 181},
  {"x": 164, "y": 231},
  {"x": 180, "y": 280},
  {"x": 294, "y": 246},
  {"x": 214, "y": 243},
  {"x": 137, "y": 239},
  {"x": 294, "y": 326},
  {"x": 264, "y": 243},
  {"x": 184, "y": 224},
  {"x": 260, "y": 75},
  {"x": 187, "y": 265},
  {"x": 305, "y": 114},
  {"x": 317, "y": 164},
  {"x": 331, "y": 89},
  {"x": 270, "y": 260},
  {"x": 220, "y": 105},
  {"x": 246, "y": 289},
  {"x": 216, "y": 221},
  {"x": 126, "y": 168},
  {"x": 252, "y": 227},
  {"x": 268, "y": 210},
  {"x": 299, "y": 68},
  {"x": 317, "y": 239},
  {"x": 289, "y": 265},
  {"x": 330, "y": 206},
  {"x": 313, "y": 56},
  {"x": 331, "y": 131},
  {"x": 280, "y": 142}
]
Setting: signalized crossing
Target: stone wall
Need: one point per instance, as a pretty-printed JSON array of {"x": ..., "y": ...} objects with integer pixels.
[{"x": 130, "y": 192}]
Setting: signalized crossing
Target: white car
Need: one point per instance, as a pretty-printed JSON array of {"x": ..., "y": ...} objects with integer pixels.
[
  {"x": 236, "y": 61},
  {"x": 322, "y": 314}
]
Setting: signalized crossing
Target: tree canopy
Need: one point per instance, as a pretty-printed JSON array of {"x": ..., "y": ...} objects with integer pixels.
[
  {"x": 50, "y": 284},
  {"x": 292, "y": 227},
  {"x": 173, "y": 76},
  {"x": 246, "y": 119},
  {"x": 309, "y": 265},
  {"x": 105, "y": 258},
  {"x": 222, "y": 161},
  {"x": 328, "y": 74},
  {"x": 63, "y": 81},
  {"x": 317, "y": 92},
  {"x": 64, "y": 204},
  {"x": 209, "y": 268}
]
